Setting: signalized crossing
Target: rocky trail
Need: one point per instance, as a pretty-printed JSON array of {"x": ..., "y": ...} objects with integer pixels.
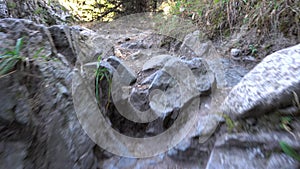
[{"x": 164, "y": 102}]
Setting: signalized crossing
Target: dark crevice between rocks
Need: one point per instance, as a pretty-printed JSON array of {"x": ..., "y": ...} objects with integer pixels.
[
  {"x": 198, "y": 153},
  {"x": 61, "y": 42},
  {"x": 14, "y": 131},
  {"x": 128, "y": 127},
  {"x": 138, "y": 130}
]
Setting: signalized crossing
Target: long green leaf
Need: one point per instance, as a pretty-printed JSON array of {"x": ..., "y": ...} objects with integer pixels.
[
  {"x": 9, "y": 54},
  {"x": 289, "y": 150},
  {"x": 19, "y": 46},
  {"x": 7, "y": 65},
  {"x": 97, "y": 88}
]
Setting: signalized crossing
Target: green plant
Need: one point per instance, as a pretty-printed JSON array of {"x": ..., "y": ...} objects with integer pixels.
[
  {"x": 253, "y": 49},
  {"x": 289, "y": 150},
  {"x": 101, "y": 73},
  {"x": 40, "y": 10},
  {"x": 229, "y": 123},
  {"x": 10, "y": 58},
  {"x": 285, "y": 123},
  {"x": 11, "y": 5}
]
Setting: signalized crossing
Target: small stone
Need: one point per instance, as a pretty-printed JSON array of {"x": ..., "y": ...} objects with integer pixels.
[
  {"x": 194, "y": 63},
  {"x": 235, "y": 53},
  {"x": 3, "y": 9},
  {"x": 249, "y": 59},
  {"x": 136, "y": 55}
]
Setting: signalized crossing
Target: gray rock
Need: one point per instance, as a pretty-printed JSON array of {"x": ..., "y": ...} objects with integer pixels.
[
  {"x": 269, "y": 86},
  {"x": 13, "y": 154},
  {"x": 35, "y": 39},
  {"x": 223, "y": 158},
  {"x": 192, "y": 43},
  {"x": 282, "y": 161},
  {"x": 172, "y": 87},
  {"x": 162, "y": 81},
  {"x": 183, "y": 145},
  {"x": 160, "y": 161},
  {"x": 150, "y": 79},
  {"x": 235, "y": 53},
  {"x": 3, "y": 9},
  {"x": 62, "y": 89},
  {"x": 227, "y": 73},
  {"x": 125, "y": 163},
  {"x": 205, "y": 126},
  {"x": 139, "y": 99},
  {"x": 250, "y": 151},
  {"x": 205, "y": 78},
  {"x": 127, "y": 75},
  {"x": 62, "y": 40},
  {"x": 156, "y": 62},
  {"x": 22, "y": 111},
  {"x": 49, "y": 13},
  {"x": 41, "y": 106},
  {"x": 88, "y": 45},
  {"x": 134, "y": 46},
  {"x": 195, "y": 63},
  {"x": 7, "y": 93}
]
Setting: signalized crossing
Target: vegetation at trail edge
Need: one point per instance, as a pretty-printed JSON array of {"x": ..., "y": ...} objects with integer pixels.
[
  {"x": 269, "y": 25},
  {"x": 222, "y": 17},
  {"x": 216, "y": 17}
]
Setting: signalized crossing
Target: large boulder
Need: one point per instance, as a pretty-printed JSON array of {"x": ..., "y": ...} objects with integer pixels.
[
  {"x": 252, "y": 151},
  {"x": 39, "y": 127},
  {"x": 274, "y": 83}
]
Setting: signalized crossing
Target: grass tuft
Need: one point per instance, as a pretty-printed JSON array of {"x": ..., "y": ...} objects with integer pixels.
[
  {"x": 10, "y": 58},
  {"x": 100, "y": 74}
]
